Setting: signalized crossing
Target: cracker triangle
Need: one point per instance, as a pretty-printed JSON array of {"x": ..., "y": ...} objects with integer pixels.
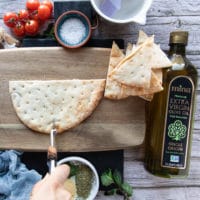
[
  {"x": 157, "y": 81},
  {"x": 129, "y": 48},
  {"x": 113, "y": 89},
  {"x": 40, "y": 105},
  {"x": 142, "y": 37},
  {"x": 116, "y": 90},
  {"x": 159, "y": 59},
  {"x": 134, "y": 70},
  {"x": 158, "y": 72},
  {"x": 155, "y": 86}
]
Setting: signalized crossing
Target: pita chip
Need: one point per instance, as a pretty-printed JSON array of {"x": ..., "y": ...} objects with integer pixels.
[
  {"x": 134, "y": 70},
  {"x": 129, "y": 48},
  {"x": 142, "y": 37},
  {"x": 113, "y": 88},
  {"x": 159, "y": 59}
]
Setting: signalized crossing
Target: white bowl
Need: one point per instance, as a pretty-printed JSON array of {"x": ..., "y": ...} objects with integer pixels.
[
  {"x": 95, "y": 185},
  {"x": 131, "y": 11}
]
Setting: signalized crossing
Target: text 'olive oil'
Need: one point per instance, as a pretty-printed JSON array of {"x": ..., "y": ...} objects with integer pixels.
[{"x": 169, "y": 115}]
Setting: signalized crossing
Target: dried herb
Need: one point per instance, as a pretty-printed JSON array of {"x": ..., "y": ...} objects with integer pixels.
[
  {"x": 109, "y": 178},
  {"x": 84, "y": 180}
]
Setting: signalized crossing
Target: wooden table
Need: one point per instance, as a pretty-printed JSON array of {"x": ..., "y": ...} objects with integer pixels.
[{"x": 163, "y": 17}]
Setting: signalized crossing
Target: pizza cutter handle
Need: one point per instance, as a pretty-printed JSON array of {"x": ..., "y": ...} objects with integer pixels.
[
  {"x": 52, "y": 166},
  {"x": 52, "y": 152}
]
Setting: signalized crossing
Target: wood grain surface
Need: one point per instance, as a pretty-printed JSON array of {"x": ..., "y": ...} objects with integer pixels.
[
  {"x": 163, "y": 17},
  {"x": 113, "y": 124}
]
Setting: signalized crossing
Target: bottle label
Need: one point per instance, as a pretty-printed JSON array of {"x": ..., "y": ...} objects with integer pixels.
[{"x": 177, "y": 122}]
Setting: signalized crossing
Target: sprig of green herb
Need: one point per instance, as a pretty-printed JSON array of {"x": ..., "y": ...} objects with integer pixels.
[
  {"x": 49, "y": 32},
  {"x": 73, "y": 169},
  {"x": 114, "y": 179}
]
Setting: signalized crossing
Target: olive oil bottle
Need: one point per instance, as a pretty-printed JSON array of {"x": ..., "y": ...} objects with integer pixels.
[{"x": 169, "y": 115}]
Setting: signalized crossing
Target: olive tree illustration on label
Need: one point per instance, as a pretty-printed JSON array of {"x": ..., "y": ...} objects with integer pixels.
[
  {"x": 177, "y": 130},
  {"x": 177, "y": 122}
]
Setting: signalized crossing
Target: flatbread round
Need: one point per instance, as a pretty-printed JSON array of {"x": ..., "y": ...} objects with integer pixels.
[{"x": 64, "y": 104}]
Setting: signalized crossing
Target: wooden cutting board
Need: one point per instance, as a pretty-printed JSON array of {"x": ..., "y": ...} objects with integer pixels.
[{"x": 113, "y": 125}]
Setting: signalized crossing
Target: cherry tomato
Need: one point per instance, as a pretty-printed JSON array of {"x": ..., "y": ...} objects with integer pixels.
[
  {"x": 19, "y": 29},
  {"x": 23, "y": 15},
  {"x": 34, "y": 15},
  {"x": 32, "y": 4},
  {"x": 10, "y": 19},
  {"x": 48, "y": 3},
  {"x": 44, "y": 12},
  {"x": 31, "y": 27}
]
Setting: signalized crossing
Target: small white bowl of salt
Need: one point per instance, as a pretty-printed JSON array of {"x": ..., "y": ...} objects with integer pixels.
[{"x": 73, "y": 29}]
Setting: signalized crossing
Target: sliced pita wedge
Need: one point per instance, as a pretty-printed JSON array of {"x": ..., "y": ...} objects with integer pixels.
[
  {"x": 156, "y": 78},
  {"x": 116, "y": 90},
  {"x": 40, "y": 105},
  {"x": 142, "y": 37},
  {"x": 159, "y": 74},
  {"x": 113, "y": 88},
  {"x": 159, "y": 59},
  {"x": 155, "y": 86},
  {"x": 158, "y": 82},
  {"x": 129, "y": 49},
  {"x": 134, "y": 70},
  {"x": 116, "y": 55}
]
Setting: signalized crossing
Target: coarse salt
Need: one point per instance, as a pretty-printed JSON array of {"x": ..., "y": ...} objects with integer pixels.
[{"x": 73, "y": 31}]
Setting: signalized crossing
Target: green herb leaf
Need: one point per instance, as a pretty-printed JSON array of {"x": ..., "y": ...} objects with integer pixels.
[
  {"x": 119, "y": 187},
  {"x": 117, "y": 177},
  {"x": 107, "y": 178},
  {"x": 73, "y": 169},
  {"x": 111, "y": 192},
  {"x": 127, "y": 189}
]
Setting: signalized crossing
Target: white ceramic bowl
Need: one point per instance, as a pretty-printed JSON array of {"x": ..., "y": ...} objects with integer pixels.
[
  {"x": 95, "y": 186},
  {"x": 131, "y": 11}
]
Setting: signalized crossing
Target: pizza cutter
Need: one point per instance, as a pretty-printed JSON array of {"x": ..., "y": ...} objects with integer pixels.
[{"x": 52, "y": 151}]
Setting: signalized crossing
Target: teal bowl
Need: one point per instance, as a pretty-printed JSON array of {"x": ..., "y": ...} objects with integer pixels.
[{"x": 72, "y": 29}]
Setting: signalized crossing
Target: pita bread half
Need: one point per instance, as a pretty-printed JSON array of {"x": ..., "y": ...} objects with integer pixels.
[{"x": 40, "y": 105}]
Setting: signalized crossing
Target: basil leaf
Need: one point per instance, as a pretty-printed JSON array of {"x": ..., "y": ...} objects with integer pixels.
[
  {"x": 106, "y": 178},
  {"x": 127, "y": 189},
  {"x": 117, "y": 177},
  {"x": 111, "y": 192}
]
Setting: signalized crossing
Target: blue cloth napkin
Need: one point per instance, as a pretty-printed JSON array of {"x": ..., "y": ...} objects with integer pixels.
[{"x": 16, "y": 181}]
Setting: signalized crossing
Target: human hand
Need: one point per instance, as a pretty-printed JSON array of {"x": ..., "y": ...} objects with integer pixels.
[{"x": 51, "y": 187}]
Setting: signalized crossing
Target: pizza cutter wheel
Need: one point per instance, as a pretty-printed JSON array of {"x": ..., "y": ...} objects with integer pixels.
[{"x": 52, "y": 151}]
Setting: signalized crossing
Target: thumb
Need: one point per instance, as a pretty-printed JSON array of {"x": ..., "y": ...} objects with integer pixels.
[{"x": 60, "y": 174}]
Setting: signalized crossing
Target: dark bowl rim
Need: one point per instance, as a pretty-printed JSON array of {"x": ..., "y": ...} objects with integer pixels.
[{"x": 58, "y": 21}]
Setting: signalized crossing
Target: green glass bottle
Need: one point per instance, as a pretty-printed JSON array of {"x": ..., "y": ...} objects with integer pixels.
[{"x": 169, "y": 115}]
